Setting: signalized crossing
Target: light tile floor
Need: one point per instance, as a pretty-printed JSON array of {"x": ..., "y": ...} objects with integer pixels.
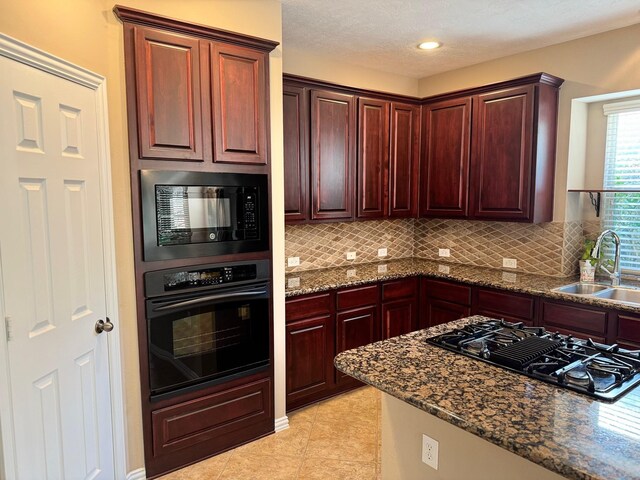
[{"x": 338, "y": 439}]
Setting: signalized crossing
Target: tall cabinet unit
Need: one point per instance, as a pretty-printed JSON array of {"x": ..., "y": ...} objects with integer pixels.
[{"x": 197, "y": 101}]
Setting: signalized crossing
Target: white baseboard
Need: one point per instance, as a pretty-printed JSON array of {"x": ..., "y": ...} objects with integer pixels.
[
  {"x": 281, "y": 423},
  {"x": 138, "y": 474}
]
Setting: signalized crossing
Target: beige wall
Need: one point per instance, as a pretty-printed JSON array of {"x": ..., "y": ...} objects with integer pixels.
[
  {"x": 323, "y": 67},
  {"x": 86, "y": 32},
  {"x": 603, "y": 63}
]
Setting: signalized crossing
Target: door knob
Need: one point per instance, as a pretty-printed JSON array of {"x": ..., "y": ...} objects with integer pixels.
[{"x": 104, "y": 326}]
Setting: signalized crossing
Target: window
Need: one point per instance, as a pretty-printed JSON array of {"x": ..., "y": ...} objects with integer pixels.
[{"x": 621, "y": 210}]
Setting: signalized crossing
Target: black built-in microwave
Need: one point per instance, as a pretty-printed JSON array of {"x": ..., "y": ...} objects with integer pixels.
[{"x": 194, "y": 214}]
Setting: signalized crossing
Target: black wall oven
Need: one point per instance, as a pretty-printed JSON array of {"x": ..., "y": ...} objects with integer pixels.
[
  {"x": 207, "y": 324},
  {"x": 198, "y": 214}
]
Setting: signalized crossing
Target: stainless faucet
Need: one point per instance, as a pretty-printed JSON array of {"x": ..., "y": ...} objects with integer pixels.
[{"x": 615, "y": 275}]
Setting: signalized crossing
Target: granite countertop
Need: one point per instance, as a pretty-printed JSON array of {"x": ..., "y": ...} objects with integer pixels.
[
  {"x": 563, "y": 431},
  {"x": 312, "y": 281}
]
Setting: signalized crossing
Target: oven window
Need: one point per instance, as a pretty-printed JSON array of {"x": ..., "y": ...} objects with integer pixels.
[{"x": 210, "y": 342}]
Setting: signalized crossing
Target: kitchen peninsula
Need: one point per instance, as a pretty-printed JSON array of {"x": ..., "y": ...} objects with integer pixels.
[{"x": 426, "y": 387}]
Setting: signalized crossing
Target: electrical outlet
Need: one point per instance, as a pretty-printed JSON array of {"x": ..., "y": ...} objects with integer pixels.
[
  {"x": 444, "y": 252},
  {"x": 382, "y": 252},
  {"x": 509, "y": 263},
  {"x": 430, "y": 451},
  {"x": 382, "y": 268},
  {"x": 443, "y": 269},
  {"x": 351, "y": 255},
  {"x": 293, "y": 282},
  {"x": 351, "y": 273},
  {"x": 293, "y": 261}
]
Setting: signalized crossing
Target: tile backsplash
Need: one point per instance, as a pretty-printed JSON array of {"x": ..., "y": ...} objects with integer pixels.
[
  {"x": 326, "y": 244},
  {"x": 545, "y": 249}
]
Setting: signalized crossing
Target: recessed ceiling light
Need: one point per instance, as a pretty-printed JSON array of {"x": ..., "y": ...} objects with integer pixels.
[{"x": 429, "y": 45}]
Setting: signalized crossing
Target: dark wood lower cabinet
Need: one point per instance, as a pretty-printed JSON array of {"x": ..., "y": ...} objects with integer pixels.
[
  {"x": 398, "y": 317},
  {"x": 509, "y": 306},
  {"x": 355, "y": 328},
  {"x": 443, "y": 301},
  {"x": 310, "y": 352},
  {"x": 627, "y": 334},
  {"x": 439, "y": 311},
  {"x": 574, "y": 319}
]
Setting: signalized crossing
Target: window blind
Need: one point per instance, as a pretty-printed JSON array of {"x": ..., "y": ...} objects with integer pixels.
[{"x": 621, "y": 210}]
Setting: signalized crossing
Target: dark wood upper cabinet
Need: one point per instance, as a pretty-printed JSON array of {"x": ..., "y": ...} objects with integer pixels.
[
  {"x": 444, "y": 189},
  {"x": 403, "y": 159},
  {"x": 240, "y": 105},
  {"x": 502, "y": 154},
  {"x": 296, "y": 153},
  {"x": 333, "y": 152},
  {"x": 168, "y": 91},
  {"x": 373, "y": 157}
]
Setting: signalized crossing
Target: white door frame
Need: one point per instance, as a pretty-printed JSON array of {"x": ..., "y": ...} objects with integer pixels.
[{"x": 28, "y": 55}]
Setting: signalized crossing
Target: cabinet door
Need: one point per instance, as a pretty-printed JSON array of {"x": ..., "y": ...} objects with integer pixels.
[
  {"x": 239, "y": 96},
  {"x": 444, "y": 169},
  {"x": 168, "y": 92},
  {"x": 574, "y": 319},
  {"x": 373, "y": 157},
  {"x": 310, "y": 352},
  {"x": 502, "y": 154},
  {"x": 333, "y": 128},
  {"x": 439, "y": 311},
  {"x": 355, "y": 328},
  {"x": 403, "y": 162},
  {"x": 398, "y": 317},
  {"x": 296, "y": 153}
]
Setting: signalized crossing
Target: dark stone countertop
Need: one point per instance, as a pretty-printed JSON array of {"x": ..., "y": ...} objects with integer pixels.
[
  {"x": 312, "y": 281},
  {"x": 563, "y": 431}
]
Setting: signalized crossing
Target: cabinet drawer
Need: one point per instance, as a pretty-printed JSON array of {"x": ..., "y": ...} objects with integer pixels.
[
  {"x": 357, "y": 297},
  {"x": 308, "y": 306},
  {"x": 449, "y": 291},
  {"x": 629, "y": 328},
  {"x": 573, "y": 317},
  {"x": 207, "y": 418},
  {"x": 509, "y": 304},
  {"x": 583, "y": 335},
  {"x": 395, "y": 289}
]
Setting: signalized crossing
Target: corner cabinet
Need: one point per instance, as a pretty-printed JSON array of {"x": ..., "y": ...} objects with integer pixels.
[
  {"x": 198, "y": 100},
  {"x": 489, "y": 152}
]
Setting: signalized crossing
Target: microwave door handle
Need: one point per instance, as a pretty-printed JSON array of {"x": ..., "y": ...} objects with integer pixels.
[{"x": 209, "y": 298}]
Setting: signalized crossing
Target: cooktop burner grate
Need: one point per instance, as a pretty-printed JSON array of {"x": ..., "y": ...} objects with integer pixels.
[{"x": 520, "y": 354}]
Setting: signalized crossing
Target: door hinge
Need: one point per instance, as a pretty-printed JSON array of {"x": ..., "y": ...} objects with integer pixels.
[{"x": 7, "y": 326}]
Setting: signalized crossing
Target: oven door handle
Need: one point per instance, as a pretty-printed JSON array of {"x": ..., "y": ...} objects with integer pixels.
[{"x": 209, "y": 298}]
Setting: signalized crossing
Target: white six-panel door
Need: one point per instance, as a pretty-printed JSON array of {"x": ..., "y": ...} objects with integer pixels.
[{"x": 53, "y": 276}]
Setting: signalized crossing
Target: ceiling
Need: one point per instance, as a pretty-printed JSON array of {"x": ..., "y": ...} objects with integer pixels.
[{"x": 383, "y": 34}]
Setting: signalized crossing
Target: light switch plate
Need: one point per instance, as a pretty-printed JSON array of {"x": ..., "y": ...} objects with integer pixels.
[
  {"x": 293, "y": 261},
  {"x": 293, "y": 282},
  {"x": 351, "y": 272},
  {"x": 444, "y": 252},
  {"x": 382, "y": 252}
]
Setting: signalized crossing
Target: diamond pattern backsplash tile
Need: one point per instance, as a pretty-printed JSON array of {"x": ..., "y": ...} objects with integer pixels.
[
  {"x": 537, "y": 248},
  {"x": 325, "y": 245},
  {"x": 545, "y": 249}
]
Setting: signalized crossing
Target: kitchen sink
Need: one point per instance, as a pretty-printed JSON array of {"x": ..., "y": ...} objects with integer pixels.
[
  {"x": 606, "y": 292},
  {"x": 626, "y": 295},
  {"x": 582, "y": 289}
]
